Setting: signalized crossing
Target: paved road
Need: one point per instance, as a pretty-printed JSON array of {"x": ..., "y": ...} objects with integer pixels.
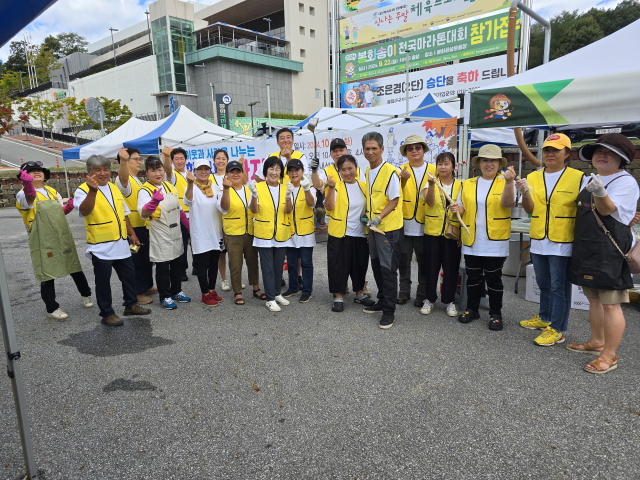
[
  {"x": 13, "y": 152},
  {"x": 241, "y": 393}
]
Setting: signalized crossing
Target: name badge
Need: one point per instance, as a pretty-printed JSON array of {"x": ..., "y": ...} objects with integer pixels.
[{"x": 173, "y": 225}]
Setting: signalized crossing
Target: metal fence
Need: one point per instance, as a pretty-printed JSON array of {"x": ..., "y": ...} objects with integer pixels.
[
  {"x": 61, "y": 137},
  {"x": 245, "y": 44}
]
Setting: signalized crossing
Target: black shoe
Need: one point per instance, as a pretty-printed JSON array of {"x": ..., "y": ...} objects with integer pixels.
[
  {"x": 185, "y": 278},
  {"x": 300, "y": 284},
  {"x": 284, "y": 284},
  {"x": 403, "y": 298},
  {"x": 305, "y": 298},
  {"x": 194, "y": 271},
  {"x": 419, "y": 301},
  {"x": 375, "y": 308},
  {"x": 338, "y": 307},
  {"x": 468, "y": 316},
  {"x": 289, "y": 293},
  {"x": 495, "y": 323},
  {"x": 386, "y": 321},
  {"x": 366, "y": 301}
]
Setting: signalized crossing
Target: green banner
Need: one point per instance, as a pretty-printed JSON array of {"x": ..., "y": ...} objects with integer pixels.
[{"x": 467, "y": 40}]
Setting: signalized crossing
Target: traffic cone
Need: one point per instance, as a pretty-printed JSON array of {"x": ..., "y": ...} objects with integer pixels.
[{"x": 57, "y": 164}]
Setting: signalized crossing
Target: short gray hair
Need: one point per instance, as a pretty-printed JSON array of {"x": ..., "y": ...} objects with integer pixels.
[
  {"x": 96, "y": 161},
  {"x": 375, "y": 136}
]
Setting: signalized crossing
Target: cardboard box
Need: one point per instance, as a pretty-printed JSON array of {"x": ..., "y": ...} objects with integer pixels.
[{"x": 578, "y": 299}]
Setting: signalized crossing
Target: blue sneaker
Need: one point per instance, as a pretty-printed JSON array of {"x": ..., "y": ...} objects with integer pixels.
[
  {"x": 168, "y": 304},
  {"x": 181, "y": 298}
]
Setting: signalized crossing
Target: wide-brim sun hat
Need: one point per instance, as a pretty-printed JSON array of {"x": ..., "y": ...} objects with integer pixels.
[
  {"x": 616, "y": 142},
  {"x": 489, "y": 151},
  {"x": 411, "y": 140}
]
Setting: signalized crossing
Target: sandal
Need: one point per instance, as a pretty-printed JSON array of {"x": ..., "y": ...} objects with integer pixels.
[
  {"x": 611, "y": 362},
  {"x": 586, "y": 348},
  {"x": 238, "y": 301},
  {"x": 261, "y": 295}
]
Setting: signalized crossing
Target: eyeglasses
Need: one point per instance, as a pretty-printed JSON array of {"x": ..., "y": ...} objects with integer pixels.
[{"x": 411, "y": 148}]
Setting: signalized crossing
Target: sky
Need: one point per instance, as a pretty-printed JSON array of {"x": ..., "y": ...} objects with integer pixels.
[{"x": 92, "y": 18}]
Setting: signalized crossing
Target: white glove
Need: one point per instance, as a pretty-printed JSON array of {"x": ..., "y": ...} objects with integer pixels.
[
  {"x": 523, "y": 187},
  {"x": 305, "y": 184},
  {"x": 596, "y": 187},
  {"x": 289, "y": 193},
  {"x": 252, "y": 187}
]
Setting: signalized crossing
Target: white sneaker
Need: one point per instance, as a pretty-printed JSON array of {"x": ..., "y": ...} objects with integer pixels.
[
  {"x": 243, "y": 286},
  {"x": 88, "y": 303},
  {"x": 225, "y": 285},
  {"x": 58, "y": 314},
  {"x": 427, "y": 306},
  {"x": 273, "y": 306},
  {"x": 452, "y": 311},
  {"x": 281, "y": 300}
]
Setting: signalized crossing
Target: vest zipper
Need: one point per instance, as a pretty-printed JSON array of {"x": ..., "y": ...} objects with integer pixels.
[{"x": 417, "y": 199}]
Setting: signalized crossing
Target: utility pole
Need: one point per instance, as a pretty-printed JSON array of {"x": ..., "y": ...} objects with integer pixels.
[
  {"x": 115, "y": 64},
  {"x": 269, "y": 107},
  {"x": 251, "y": 107}
]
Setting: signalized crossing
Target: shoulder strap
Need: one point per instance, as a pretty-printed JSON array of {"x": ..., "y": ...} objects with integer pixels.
[{"x": 606, "y": 231}]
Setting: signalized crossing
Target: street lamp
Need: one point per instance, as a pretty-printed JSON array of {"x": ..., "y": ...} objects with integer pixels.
[
  {"x": 115, "y": 64},
  {"x": 251, "y": 107},
  {"x": 268, "y": 20}
]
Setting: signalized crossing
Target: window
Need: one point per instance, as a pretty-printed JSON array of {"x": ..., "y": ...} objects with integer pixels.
[
  {"x": 312, "y": 11},
  {"x": 317, "y": 93},
  {"x": 303, "y": 53},
  {"x": 301, "y": 30},
  {"x": 301, "y": 7},
  {"x": 312, "y": 33}
]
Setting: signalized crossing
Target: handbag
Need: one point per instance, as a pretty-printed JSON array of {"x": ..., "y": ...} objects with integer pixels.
[{"x": 633, "y": 256}]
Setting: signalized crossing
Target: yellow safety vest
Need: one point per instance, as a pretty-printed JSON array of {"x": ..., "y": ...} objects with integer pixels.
[
  {"x": 239, "y": 219},
  {"x": 295, "y": 155},
  {"x": 497, "y": 217},
  {"x": 378, "y": 199},
  {"x": 181, "y": 186},
  {"x": 412, "y": 203},
  {"x": 150, "y": 187},
  {"x": 268, "y": 224},
  {"x": 338, "y": 223},
  {"x": 303, "y": 217},
  {"x": 28, "y": 214},
  {"x": 555, "y": 218},
  {"x": 434, "y": 215},
  {"x": 105, "y": 223},
  {"x": 135, "y": 219}
]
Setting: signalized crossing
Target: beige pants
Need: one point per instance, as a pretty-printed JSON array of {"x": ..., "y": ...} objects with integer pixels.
[
  {"x": 237, "y": 247},
  {"x": 607, "y": 297}
]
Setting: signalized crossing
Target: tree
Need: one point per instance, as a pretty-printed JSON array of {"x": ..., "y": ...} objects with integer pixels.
[
  {"x": 48, "y": 113},
  {"x": 6, "y": 116},
  {"x": 53, "y": 44},
  {"x": 585, "y": 31},
  {"x": 65, "y": 44},
  {"x": 115, "y": 114},
  {"x": 17, "y": 60},
  {"x": 76, "y": 115},
  {"x": 9, "y": 84},
  {"x": 45, "y": 63}
]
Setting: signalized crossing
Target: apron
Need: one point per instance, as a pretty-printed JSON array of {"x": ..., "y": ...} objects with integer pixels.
[
  {"x": 53, "y": 250},
  {"x": 165, "y": 235}
]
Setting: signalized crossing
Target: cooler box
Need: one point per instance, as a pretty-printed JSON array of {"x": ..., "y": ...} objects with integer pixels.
[{"x": 578, "y": 299}]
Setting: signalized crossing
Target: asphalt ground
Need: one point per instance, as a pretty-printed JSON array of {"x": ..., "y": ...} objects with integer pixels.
[
  {"x": 13, "y": 152},
  {"x": 238, "y": 392}
]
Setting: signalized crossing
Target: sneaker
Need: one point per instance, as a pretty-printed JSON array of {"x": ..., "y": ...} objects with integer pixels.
[
  {"x": 290, "y": 293},
  {"x": 185, "y": 278},
  {"x": 549, "y": 337},
  {"x": 243, "y": 286},
  {"x": 181, "y": 298},
  {"x": 386, "y": 321},
  {"x": 495, "y": 323},
  {"x": 305, "y": 298},
  {"x": 452, "y": 311},
  {"x": 215, "y": 296},
  {"x": 419, "y": 301},
  {"x": 281, "y": 300},
  {"x": 151, "y": 291},
  {"x": 375, "y": 308},
  {"x": 136, "y": 310},
  {"x": 208, "y": 300},
  {"x": 534, "y": 323},
  {"x": 87, "y": 302},
  {"x": 300, "y": 283},
  {"x": 403, "y": 298},
  {"x": 366, "y": 301},
  {"x": 143, "y": 299},
  {"x": 427, "y": 306},
  {"x": 273, "y": 306},
  {"x": 468, "y": 316},
  {"x": 112, "y": 320},
  {"x": 225, "y": 285},
  {"x": 168, "y": 304},
  {"x": 338, "y": 307},
  {"x": 58, "y": 314}
]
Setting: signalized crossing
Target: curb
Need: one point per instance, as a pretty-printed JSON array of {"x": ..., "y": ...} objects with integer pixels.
[{"x": 39, "y": 147}]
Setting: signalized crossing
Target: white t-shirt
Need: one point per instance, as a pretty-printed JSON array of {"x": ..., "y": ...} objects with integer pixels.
[
  {"x": 104, "y": 251},
  {"x": 393, "y": 189},
  {"x": 303, "y": 159},
  {"x": 21, "y": 198},
  {"x": 411, "y": 227},
  {"x": 357, "y": 209},
  {"x": 219, "y": 179},
  {"x": 482, "y": 246},
  {"x": 205, "y": 221},
  {"x": 368, "y": 96},
  {"x": 173, "y": 180},
  {"x": 144, "y": 197},
  {"x": 323, "y": 176},
  {"x": 546, "y": 246},
  {"x": 304, "y": 240},
  {"x": 125, "y": 191},
  {"x": 241, "y": 194},
  {"x": 262, "y": 243}
]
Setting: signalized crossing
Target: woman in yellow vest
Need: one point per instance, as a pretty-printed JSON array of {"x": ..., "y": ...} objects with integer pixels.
[
  {"x": 347, "y": 247},
  {"x": 303, "y": 237},
  {"x": 237, "y": 224},
  {"x": 34, "y": 190},
  {"x": 158, "y": 201},
  {"x": 485, "y": 205},
  {"x": 440, "y": 251},
  {"x": 273, "y": 225},
  {"x": 549, "y": 196}
]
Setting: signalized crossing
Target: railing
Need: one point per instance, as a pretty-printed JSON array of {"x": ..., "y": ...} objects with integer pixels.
[
  {"x": 151, "y": 116},
  {"x": 245, "y": 44},
  {"x": 61, "y": 137}
]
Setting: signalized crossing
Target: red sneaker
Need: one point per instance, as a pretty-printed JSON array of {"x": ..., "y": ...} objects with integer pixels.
[
  {"x": 215, "y": 296},
  {"x": 209, "y": 300}
]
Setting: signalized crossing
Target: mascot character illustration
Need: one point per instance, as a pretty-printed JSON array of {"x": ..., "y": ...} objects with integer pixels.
[
  {"x": 499, "y": 107},
  {"x": 349, "y": 70}
]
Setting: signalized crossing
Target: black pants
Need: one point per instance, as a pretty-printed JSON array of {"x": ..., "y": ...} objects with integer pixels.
[
  {"x": 141, "y": 262},
  {"x": 441, "y": 252},
  {"x": 207, "y": 265},
  {"x": 385, "y": 253},
  {"x": 126, "y": 273},
  {"x": 169, "y": 278},
  {"x": 489, "y": 270},
  {"x": 349, "y": 257},
  {"x": 185, "y": 244},
  {"x": 271, "y": 263},
  {"x": 48, "y": 290}
]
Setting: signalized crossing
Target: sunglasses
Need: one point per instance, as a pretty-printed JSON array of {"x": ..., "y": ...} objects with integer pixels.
[
  {"x": 31, "y": 164},
  {"x": 412, "y": 148}
]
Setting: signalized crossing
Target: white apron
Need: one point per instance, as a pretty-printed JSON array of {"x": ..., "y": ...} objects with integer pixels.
[{"x": 165, "y": 235}]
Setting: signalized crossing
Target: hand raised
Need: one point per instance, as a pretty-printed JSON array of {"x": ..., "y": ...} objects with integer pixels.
[
  {"x": 123, "y": 155},
  {"x": 331, "y": 183},
  {"x": 190, "y": 177},
  {"x": 92, "y": 183},
  {"x": 431, "y": 179},
  {"x": 226, "y": 183},
  {"x": 405, "y": 173},
  {"x": 166, "y": 151},
  {"x": 521, "y": 185},
  {"x": 510, "y": 174},
  {"x": 157, "y": 195},
  {"x": 25, "y": 177}
]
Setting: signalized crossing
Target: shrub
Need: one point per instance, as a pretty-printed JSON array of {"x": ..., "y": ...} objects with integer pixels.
[
  {"x": 285, "y": 116},
  {"x": 241, "y": 113}
]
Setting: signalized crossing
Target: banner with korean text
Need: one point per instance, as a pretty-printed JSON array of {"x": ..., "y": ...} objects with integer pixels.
[{"x": 467, "y": 40}]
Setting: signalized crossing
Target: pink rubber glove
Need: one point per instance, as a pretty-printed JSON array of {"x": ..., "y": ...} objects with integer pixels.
[
  {"x": 156, "y": 198},
  {"x": 27, "y": 183},
  {"x": 68, "y": 207},
  {"x": 184, "y": 220}
]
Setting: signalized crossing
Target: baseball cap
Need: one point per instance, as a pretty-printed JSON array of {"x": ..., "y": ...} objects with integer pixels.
[
  {"x": 200, "y": 163},
  {"x": 337, "y": 142},
  {"x": 294, "y": 163},
  {"x": 557, "y": 140},
  {"x": 616, "y": 142},
  {"x": 234, "y": 165}
]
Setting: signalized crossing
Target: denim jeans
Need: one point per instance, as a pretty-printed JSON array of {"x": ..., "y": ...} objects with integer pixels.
[
  {"x": 552, "y": 276},
  {"x": 306, "y": 264},
  {"x": 271, "y": 264}
]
